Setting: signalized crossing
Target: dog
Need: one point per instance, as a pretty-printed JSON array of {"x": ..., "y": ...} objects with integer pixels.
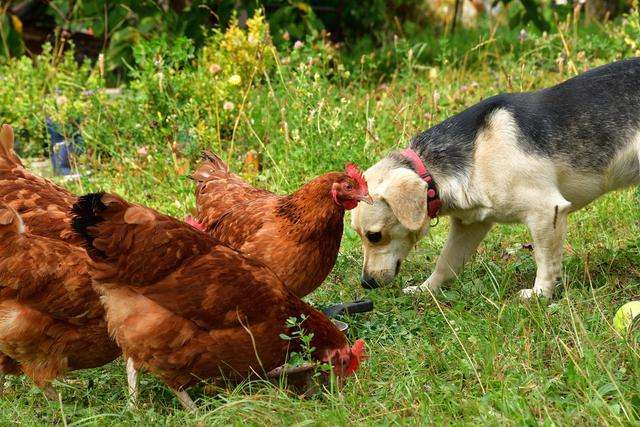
[{"x": 529, "y": 158}]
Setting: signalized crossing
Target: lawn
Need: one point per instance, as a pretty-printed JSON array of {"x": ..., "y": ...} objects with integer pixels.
[{"x": 474, "y": 354}]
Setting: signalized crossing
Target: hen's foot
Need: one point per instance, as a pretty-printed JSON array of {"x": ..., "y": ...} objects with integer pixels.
[
  {"x": 51, "y": 393},
  {"x": 185, "y": 400}
]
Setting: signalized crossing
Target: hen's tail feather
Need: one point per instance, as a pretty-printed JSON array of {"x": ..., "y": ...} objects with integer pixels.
[
  {"x": 215, "y": 161},
  {"x": 86, "y": 213},
  {"x": 210, "y": 168},
  {"x": 7, "y": 155}
]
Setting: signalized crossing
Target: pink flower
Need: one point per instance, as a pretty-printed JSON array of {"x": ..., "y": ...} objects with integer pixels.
[{"x": 143, "y": 151}]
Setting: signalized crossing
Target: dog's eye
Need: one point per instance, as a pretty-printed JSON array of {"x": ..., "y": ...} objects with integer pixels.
[{"x": 374, "y": 237}]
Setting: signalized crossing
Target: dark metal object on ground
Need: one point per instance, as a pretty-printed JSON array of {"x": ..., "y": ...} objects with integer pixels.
[
  {"x": 359, "y": 306},
  {"x": 340, "y": 325}
]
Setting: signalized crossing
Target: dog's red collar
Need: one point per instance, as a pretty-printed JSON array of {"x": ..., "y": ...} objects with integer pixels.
[{"x": 433, "y": 200}]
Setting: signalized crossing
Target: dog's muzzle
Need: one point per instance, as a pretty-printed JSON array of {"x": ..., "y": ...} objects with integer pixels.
[{"x": 368, "y": 282}]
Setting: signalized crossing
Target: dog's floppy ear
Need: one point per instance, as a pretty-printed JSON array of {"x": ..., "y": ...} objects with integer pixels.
[{"x": 406, "y": 194}]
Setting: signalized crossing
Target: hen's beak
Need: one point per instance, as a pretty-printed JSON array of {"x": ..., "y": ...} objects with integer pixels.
[{"x": 366, "y": 198}]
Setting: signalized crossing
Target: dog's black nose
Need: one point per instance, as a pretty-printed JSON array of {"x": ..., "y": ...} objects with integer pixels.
[{"x": 368, "y": 282}]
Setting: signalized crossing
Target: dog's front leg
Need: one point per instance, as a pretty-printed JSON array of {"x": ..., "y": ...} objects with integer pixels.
[
  {"x": 548, "y": 228},
  {"x": 461, "y": 244}
]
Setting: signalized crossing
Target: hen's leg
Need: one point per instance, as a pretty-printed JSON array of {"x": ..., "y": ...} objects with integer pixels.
[
  {"x": 185, "y": 400},
  {"x": 8, "y": 366},
  {"x": 132, "y": 380},
  {"x": 461, "y": 244},
  {"x": 50, "y": 392}
]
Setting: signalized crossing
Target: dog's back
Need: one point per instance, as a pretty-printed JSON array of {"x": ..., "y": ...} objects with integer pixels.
[
  {"x": 583, "y": 122},
  {"x": 586, "y": 120}
]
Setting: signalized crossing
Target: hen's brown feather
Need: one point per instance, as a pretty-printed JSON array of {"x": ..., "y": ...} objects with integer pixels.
[
  {"x": 44, "y": 206},
  {"x": 224, "y": 189},
  {"x": 183, "y": 305},
  {"x": 51, "y": 320},
  {"x": 298, "y": 236}
]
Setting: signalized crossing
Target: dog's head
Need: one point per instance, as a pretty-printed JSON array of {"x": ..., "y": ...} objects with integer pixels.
[{"x": 393, "y": 224}]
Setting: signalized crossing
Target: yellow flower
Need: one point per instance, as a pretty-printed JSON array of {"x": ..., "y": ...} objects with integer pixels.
[
  {"x": 235, "y": 80},
  {"x": 17, "y": 23}
]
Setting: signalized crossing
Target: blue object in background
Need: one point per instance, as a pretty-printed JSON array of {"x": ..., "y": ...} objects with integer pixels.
[
  {"x": 61, "y": 150},
  {"x": 17, "y": 146}
]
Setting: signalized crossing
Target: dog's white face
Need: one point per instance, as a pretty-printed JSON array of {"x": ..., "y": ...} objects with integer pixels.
[{"x": 393, "y": 224}]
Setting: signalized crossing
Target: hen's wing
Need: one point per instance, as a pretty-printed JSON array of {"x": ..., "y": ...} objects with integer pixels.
[
  {"x": 51, "y": 319},
  {"x": 178, "y": 267},
  {"x": 44, "y": 206},
  {"x": 241, "y": 223},
  {"x": 48, "y": 275}
]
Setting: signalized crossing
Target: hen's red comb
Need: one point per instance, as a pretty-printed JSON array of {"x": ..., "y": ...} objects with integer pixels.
[
  {"x": 357, "y": 356},
  {"x": 194, "y": 223},
  {"x": 353, "y": 172}
]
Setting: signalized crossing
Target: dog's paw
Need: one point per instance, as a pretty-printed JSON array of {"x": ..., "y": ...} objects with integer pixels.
[
  {"x": 531, "y": 293},
  {"x": 410, "y": 290},
  {"x": 425, "y": 287}
]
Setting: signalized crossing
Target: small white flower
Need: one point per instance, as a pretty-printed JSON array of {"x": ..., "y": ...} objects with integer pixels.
[
  {"x": 435, "y": 96},
  {"x": 298, "y": 44},
  {"x": 523, "y": 35},
  {"x": 235, "y": 80},
  {"x": 228, "y": 106},
  {"x": 61, "y": 100}
]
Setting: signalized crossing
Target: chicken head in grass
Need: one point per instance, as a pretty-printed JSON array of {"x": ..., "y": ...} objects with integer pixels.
[
  {"x": 297, "y": 235},
  {"x": 186, "y": 307}
]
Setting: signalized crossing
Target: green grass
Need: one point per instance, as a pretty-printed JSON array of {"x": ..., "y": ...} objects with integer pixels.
[{"x": 474, "y": 354}]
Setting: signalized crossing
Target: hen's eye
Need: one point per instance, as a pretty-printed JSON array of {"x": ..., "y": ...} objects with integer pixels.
[
  {"x": 349, "y": 187},
  {"x": 374, "y": 237}
]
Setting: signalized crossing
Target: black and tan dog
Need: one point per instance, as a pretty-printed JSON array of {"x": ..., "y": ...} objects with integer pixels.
[{"x": 522, "y": 157}]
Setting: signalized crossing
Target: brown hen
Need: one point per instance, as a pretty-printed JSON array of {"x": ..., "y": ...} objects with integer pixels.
[
  {"x": 51, "y": 320},
  {"x": 185, "y": 307},
  {"x": 298, "y": 236},
  {"x": 45, "y": 209}
]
